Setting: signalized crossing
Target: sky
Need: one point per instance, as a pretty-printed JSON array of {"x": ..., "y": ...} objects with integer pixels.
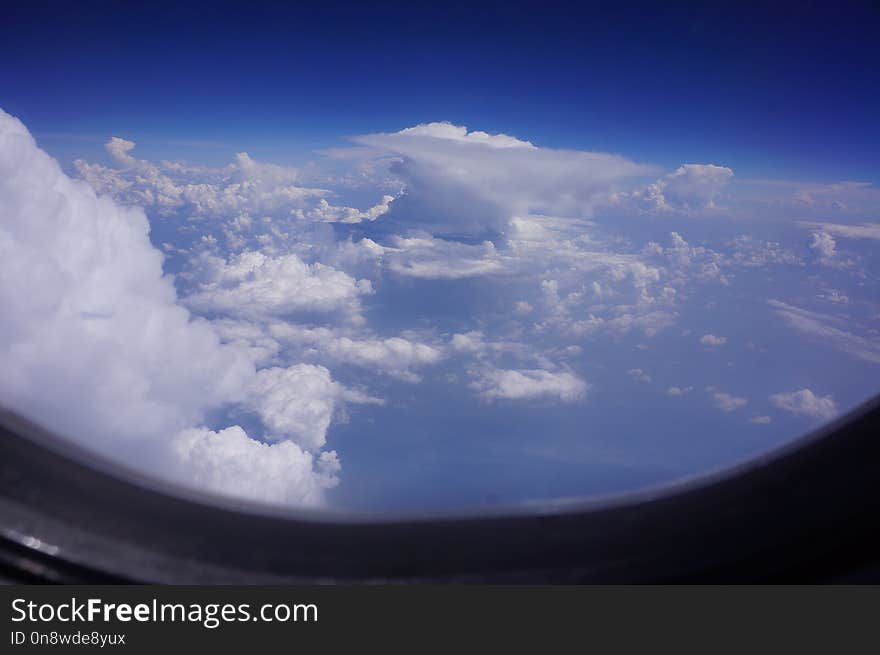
[
  {"x": 385, "y": 258},
  {"x": 784, "y": 86}
]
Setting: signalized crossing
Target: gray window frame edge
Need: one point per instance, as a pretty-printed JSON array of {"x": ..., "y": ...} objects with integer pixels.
[{"x": 803, "y": 513}]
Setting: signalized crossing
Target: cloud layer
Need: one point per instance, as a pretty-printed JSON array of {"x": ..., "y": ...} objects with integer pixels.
[{"x": 428, "y": 276}]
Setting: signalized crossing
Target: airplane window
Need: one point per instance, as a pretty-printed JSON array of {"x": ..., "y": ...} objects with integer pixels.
[{"x": 401, "y": 310}]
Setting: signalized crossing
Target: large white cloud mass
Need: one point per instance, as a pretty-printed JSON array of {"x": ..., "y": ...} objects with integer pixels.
[
  {"x": 459, "y": 182},
  {"x": 95, "y": 345}
]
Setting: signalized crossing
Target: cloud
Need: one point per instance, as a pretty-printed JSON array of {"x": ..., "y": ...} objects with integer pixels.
[
  {"x": 526, "y": 384},
  {"x": 245, "y": 186},
  {"x": 450, "y": 132},
  {"x": 750, "y": 252},
  {"x": 460, "y": 182},
  {"x": 328, "y": 213},
  {"x": 828, "y": 330},
  {"x": 804, "y": 402},
  {"x": 476, "y": 344},
  {"x": 835, "y": 296},
  {"x": 727, "y": 402},
  {"x": 395, "y": 356},
  {"x": 824, "y": 245},
  {"x": 290, "y": 304},
  {"x": 839, "y": 197},
  {"x": 687, "y": 262},
  {"x": 95, "y": 345},
  {"x": 761, "y": 420},
  {"x": 469, "y": 342},
  {"x": 691, "y": 187},
  {"x": 430, "y": 258},
  {"x": 695, "y": 186},
  {"x": 678, "y": 391},
  {"x": 712, "y": 340},
  {"x": 623, "y": 320},
  {"x": 229, "y": 462},
  {"x": 601, "y": 290},
  {"x": 119, "y": 149},
  {"x": 252, "y": 284},
  {"x": 860, "y": 231},
  {"x": 638, "y": 375},
  {"x": 623, "y": 294},
  {"x": 297, "y": 403},
  {"x": 770, "y": 199},
  {"x": 84, "y": 294}
]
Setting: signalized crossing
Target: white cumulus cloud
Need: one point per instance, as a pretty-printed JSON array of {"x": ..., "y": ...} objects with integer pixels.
[
  {"x": 678, "y": 391},
  {"x": 297, "y": 403},
  {"x": 639, "y": 375},
  {"x": 397, "y": 356},
  {"x": 727, "y": 402},
  {"x": 523, "y": 384},
  {"x": 824, "y": 245},
  {"x": 244, "y": 186},
  {"x": 253, "y": 284},
  {"x": 691, "y": 187},
  {"x": 229, "y": 462},
  {"x": 804, "y": 402},
  {"x": 712, "y": 340}
]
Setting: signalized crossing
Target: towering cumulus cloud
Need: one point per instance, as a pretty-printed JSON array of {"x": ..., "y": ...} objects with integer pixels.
[
  {"x": 460, "y": 182},
  {"x": 94, "y": 345}
]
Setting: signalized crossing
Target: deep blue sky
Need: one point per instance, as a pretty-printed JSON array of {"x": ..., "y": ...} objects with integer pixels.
[{"x": 771, "y": 91}]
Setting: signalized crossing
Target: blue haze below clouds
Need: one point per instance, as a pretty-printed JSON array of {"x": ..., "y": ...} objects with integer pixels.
[{"x": 462, "y": 452}]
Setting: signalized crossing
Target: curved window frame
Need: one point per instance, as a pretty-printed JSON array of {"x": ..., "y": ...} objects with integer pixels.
[{"x": 805, "y": 512}]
